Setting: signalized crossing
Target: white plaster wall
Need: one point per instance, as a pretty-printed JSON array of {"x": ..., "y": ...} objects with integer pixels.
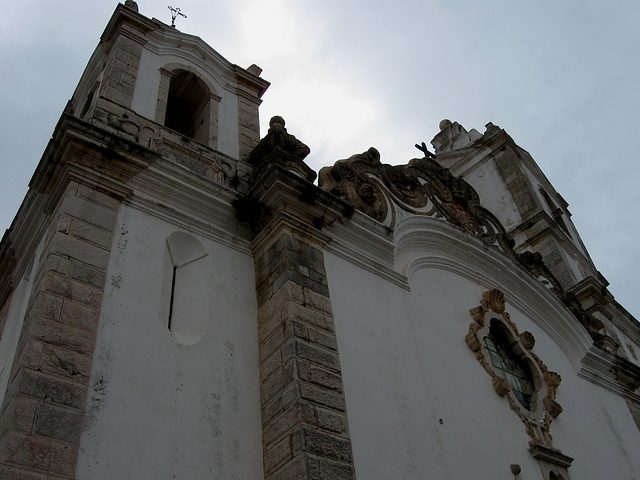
[
  {"x": 145, "y": 96},
  {"x": 160, "y": 409},
  {"x": 145, "y": 93},
  {"x": 11, "y": 332},
  {"x": 421, "y": 406},
  {"x": 494, "y": 195},
  {"x": 14, "y": 322},
  {"x": 15, "y": 318}
]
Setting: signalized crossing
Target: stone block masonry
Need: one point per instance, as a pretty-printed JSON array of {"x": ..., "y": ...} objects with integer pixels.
[
  {"x": 305, "y": 430},
  {"x": 249, "y": 124},
  {"x": 41, "y": 417},
  {"x": 122, "y": 71}
]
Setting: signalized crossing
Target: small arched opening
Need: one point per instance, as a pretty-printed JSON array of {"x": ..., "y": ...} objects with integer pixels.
[{"x": 184, "y": 311}]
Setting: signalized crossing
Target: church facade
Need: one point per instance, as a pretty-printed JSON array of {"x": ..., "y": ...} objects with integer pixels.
[{"x": 179, "y": 297}]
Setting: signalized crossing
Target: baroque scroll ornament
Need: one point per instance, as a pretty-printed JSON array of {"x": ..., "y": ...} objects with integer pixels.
[
  {"x": 422, "y": 187},
  {"x": 536, "y": 425}
]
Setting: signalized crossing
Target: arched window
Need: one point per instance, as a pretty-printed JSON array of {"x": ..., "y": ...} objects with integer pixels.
[
  {"x": 188, "y": 103},
  {"x": 512, "y": 367},
  {"x": 188, "y": 106}
]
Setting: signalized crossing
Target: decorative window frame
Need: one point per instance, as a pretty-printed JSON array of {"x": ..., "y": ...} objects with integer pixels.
[{"x": 544, "y": 407}]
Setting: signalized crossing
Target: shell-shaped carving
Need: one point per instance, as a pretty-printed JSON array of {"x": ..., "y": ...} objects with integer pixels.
[
  {"x": 501, "y": 386},
  {"x": 484, "y": 305},
  {"x": 553, "y": 407},
  {"x": 494, "y": 299},
  {"x": 528, "y": 340},
  {"x": 478, "y": 315},
  {"x": 552, "y": 379}
]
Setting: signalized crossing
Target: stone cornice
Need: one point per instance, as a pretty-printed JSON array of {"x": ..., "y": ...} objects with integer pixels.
[
  {"x": 610, "y": 371},
  {"x": 548, "y": 227},
  {"x": 77, "y": 152},
  {"x": 591, "y": 287},
  {"x": 123, "y": 15},
  {"x": 550, "y": 455},
  {"x": 113, "y": 160},
  {"x": 279, "y": 190},
  {"x": 249, "y": 85},
  {"x": 367, "y": 244},
  {"x": 423, "y": 242},
  {"x": 176, "y": 195}
]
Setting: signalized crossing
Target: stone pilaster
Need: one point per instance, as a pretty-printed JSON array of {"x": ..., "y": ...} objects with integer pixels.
[
  {"x": 214, "y": 107},
  {"x": 43, "y": 409},
  {"x": 128, "y": 38},
  {"x": 304, "y": 417},
  {"x": 73, "y": 203},
  {"x": 250, "y": 89},
  {"x": 248, "y": 124},
  {"x": 163, "y": 95}
]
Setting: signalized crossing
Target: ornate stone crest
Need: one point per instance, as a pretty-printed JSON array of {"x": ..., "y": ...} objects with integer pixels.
[
  {"x": 422, "y": 187},
  {"x": 536, "y": 417}
]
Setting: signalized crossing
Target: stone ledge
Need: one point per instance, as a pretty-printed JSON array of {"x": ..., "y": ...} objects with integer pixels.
[{"x": 540, "y": 452}]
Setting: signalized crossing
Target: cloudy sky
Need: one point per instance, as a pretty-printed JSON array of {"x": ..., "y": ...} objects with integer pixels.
[{"x": 562, "y": 77}]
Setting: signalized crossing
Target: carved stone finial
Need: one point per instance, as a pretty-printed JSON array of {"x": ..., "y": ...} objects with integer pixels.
[
  {"x": 444, "y": 124},
  {"x": 453, "y": 136},
  {"x": 280, "y": 147},
  {"x": 254, "y": 70},
  {"x": 131, "y": 4}
]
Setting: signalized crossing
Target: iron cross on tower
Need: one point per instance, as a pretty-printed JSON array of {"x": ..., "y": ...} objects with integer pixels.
[{"x": 174, "y": 14}]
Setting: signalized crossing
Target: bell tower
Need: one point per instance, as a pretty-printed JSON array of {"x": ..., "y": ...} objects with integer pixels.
[
  {"x": 152, "y": 84},
  {"x": 130, "y": 203}
]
